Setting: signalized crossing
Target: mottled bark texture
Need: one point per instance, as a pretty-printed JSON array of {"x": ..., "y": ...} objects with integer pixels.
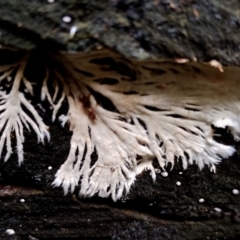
[{"x": 162, "y": 210}]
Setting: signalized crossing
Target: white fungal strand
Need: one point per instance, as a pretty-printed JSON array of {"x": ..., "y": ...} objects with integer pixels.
[{"x": 73, "y": 31}]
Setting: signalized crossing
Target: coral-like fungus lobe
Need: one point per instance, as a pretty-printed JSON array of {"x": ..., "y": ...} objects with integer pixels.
[{"x": 122, "y": 112}]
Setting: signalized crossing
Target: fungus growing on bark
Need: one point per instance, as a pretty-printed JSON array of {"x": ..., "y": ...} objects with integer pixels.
[{"x": 123, "y": 113}]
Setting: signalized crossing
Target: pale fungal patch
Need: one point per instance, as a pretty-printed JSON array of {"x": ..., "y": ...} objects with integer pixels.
[
  {"x": 235, "y": 191},
  {"x": 122, "y": 113},
  {"x": 10, "y": 232}
]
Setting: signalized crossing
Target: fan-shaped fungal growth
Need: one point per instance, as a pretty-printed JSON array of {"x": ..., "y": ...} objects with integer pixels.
[{"x": 125, "y": 112}]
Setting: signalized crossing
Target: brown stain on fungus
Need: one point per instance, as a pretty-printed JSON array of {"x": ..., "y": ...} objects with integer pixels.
[{"x": 85, "y": 100}]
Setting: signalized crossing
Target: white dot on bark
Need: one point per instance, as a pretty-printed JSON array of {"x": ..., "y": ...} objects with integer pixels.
[
  {"x": 178, "y": 183},
  {"x": 66, "y": 19},
  {"x": 201, "y": 200},
  {"x": 10, "y": 232},
  {"x": 164, "y": 174},
  {"x": 235, "y": 191},
  {"x": 218, "y": 209}
]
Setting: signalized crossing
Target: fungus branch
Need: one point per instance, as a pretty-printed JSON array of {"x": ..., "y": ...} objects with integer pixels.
[
  {"x": 159, "y": 111},
  {"x": 13, "y": 118},
  {"x": 123, "y": 114}
]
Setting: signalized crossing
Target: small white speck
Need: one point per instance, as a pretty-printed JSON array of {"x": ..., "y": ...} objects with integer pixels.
[
  {"x": 9, "y": 78},
  {"x": 32, "y": 238},
  {"x": 89, "y": 220},
  {"x": 201, "y": 200},
  {"x": 164, "y": 174},
  {"x": 213, "y": 168},
  {"x": 50, "y": 1},
  {"x": 73, "y": 31},
  {"x": 235, "y": 191},
  {"x": 218, "y": 209},
  {"x": 178, "y": 183},
  {"x": 40, "y": 106},
  {"x": 66, "y": 19},
  {"x": 22, "y": 200},
  {"x": 180, "y": 173},
  {"x": 50, "y": 168},
  {"x": 10, "y": 232}
]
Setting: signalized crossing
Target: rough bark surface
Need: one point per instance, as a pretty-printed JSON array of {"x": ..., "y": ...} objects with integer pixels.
[{"x": 161, "y": 210}]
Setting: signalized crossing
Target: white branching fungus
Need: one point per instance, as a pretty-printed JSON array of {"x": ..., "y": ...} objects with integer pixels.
[
  {"x": 123, "y": 113},
  {"x": 13, "y": 117}
]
